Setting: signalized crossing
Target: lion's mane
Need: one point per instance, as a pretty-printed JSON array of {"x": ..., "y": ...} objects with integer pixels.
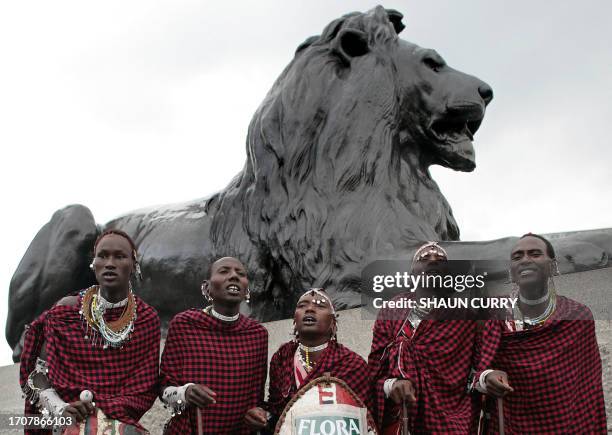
[{"x": 325, "y": 183}]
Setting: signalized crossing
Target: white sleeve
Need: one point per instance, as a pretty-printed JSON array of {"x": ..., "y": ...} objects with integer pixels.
[
  {"x": 388, "y": 386},
  {"x": 481, "y": 384}
]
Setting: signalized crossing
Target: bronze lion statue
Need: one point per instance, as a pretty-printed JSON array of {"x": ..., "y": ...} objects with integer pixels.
[{"x": 336, "y": 176}]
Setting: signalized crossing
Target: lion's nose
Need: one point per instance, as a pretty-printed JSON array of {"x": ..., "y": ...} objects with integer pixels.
[{"x": 485, "y": 92}]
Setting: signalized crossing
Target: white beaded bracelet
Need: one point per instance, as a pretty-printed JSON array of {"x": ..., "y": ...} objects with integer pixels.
[{"x": 174, "y": 397}]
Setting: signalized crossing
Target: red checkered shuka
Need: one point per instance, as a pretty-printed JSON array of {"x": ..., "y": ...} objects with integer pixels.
[
  {"x": 122, "y": 380},
  {"x": 338, "y": 360},
  {"x": 229, "y": 358},
  {"x": 438, "y": 358},
  {"x": 555, "y": 370}
]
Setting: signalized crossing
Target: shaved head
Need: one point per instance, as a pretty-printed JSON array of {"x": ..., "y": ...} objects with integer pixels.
[{"x": 223, "y": 260}]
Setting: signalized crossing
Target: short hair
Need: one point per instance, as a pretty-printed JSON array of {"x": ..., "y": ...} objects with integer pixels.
[
  {"x": 212, "y": 263},
  {"x": 118, "y": 233},
  {"x": 549, "y": 247}
]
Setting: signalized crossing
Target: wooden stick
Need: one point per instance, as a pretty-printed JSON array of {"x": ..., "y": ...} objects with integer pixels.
[
  {"x": 405, "y": 430},
  {"x": 500, "y": 414},
  {"x": 199, "y": 417}
]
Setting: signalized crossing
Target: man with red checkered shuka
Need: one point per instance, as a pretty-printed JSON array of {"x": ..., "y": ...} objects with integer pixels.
[
  {"x": 314, "y": 352},
  {"x": 93, "y": 357},
  {"x": 422, "y": 361},
  {"x": 213, "y": 367},
  {"x": 548, "y": 354}
]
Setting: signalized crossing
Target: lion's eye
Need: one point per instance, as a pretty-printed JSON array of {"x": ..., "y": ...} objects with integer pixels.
[{"x": 433, "y": 64}]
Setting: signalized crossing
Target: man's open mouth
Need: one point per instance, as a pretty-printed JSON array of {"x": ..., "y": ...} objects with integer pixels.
[
  {"x": 527, "y": 272},
  {"x": 233, "y": 289},
  {"x": 309, "y": 320}
]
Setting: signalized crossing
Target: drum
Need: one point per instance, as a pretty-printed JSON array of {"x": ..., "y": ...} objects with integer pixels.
[{"x": 325, "y": 406}]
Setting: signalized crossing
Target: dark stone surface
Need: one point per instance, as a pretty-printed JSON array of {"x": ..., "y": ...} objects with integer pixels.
[
  {"x": 337, "y": 176},
  {"x": 55, "y": 264}
]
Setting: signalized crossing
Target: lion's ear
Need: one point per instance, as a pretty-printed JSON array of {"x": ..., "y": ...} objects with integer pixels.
[
  {"x": 396, "y": 20},
  {"x": 351, "y": 43}
]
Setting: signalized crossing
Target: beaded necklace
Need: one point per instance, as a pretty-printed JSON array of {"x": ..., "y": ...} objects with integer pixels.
[
  {"x": 210, "y": 310},
  {"x": 307, "y": 350},
  {"x": 521, "y": 319},
  {"x": 534, "y": 301},
  {"x": 101, "y": 332}
]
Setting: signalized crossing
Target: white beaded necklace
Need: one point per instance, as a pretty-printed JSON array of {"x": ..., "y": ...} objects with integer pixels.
[
  {"x": 314, "y": 348},
  {"x": 103, "y": 303},
  {"x": 534, "y": 301},
  {"x": 223, "y": 317}
]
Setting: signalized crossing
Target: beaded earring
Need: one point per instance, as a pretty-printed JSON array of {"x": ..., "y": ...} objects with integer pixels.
[
  {"x": 138, "y": 272},
  {"x": 205, "y": 293},
  {"x": 294, "y": 333}
]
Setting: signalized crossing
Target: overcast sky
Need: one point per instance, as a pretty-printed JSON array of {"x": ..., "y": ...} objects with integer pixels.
[{"x": 119, "y": 105}]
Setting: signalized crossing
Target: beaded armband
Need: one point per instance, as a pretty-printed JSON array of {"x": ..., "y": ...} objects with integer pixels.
[
  {"x": 174, "y": 398},
  {"x": 45, "y": 399},
  {"x": 30, "y": 390}
]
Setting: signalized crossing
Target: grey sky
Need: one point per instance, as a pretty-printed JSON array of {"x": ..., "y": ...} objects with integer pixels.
[{"x": 120, "y": 105}]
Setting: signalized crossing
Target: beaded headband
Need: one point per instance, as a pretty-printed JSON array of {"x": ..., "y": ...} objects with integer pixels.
[
  {"x": 428, "y": 248},
  {"x": 319, "y": 292}
]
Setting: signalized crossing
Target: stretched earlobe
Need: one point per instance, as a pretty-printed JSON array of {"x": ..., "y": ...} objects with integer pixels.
[
  {"x": 554, "y": 268},
  {"x": 138, "y": 272},
  {"x": 294, "y": 333},
  {"x": 205, "y": 291}
]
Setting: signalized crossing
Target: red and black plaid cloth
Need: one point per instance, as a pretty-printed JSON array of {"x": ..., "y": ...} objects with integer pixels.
[
  {"x": 122, "y": 380},
  {"x": 336, "y": 359},
  {"x": 438, "y": 358},
  {"x": 555, "y": 370},
  {"x": 229, "y": 358}
]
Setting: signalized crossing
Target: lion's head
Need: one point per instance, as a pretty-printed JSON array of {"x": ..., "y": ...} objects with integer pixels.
[
  {"x": 357, "y": 81},
  {"x": 339, "y": 150}
]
